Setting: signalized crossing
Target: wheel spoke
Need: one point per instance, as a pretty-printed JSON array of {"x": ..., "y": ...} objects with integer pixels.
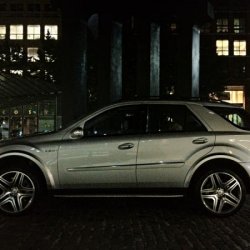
[
  {"x": 232, "y": 200},
  {"x": 232, "y": 184},
  {"x": 18, "y": 179},
  {"x": 11, "y": 201},
  {"x": 219, "y": 208},
  {"x": 4, "y": 184},
  {"x": 207, "y": 191},
  {"x": 218, "y": 179},
  {"x": 213, "y": 182}
]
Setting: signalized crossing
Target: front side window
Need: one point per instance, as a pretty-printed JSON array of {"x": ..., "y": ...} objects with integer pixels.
[
  {"x": 222, "y": 25},
  {"x": 33, "y": 32},
  {"x": 172, "y": 118},
  {"x": 16, "y": 32},
  {"x": 2, "y": 32},
  {"x": 240, "y": 48},
  {"x": 222, "y": 47},
  {"x": 51, "y": 31},
  {"x": 127, "y": 120}
]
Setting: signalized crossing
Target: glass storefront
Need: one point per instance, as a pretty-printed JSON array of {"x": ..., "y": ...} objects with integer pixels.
[{"x": 40, "y": 117}]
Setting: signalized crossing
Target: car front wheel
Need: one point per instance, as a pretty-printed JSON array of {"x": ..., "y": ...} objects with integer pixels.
[
  {"x": 220, "y": 192},
  {"x": 18, "y": 190}
]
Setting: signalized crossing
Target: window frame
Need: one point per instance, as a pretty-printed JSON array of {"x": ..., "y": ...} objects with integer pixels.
[
  {"x": 240, "y": 27},
  {"x": 15, "y": 34},
  {"x": 222, "y": 25},
  {"x": 32, "y": 57},
  {"x": 31, "y": 32},
  {"x": 237, "y": 48},
  {"x": 3, "y": 32},
  {"x": 222, "y": 50},
  {"x": 49, "y": 27}
]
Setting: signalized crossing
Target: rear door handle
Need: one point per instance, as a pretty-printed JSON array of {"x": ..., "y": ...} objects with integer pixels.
[
  {"x": 200, "y": 140},
  {"x": 126, "y": 146}
]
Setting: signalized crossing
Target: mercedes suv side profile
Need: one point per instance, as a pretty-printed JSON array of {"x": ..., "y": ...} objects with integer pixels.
[{"x": 136, "y": 148}]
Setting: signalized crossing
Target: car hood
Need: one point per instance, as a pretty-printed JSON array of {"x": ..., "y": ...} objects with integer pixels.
[{"x": 34, "y": 139}]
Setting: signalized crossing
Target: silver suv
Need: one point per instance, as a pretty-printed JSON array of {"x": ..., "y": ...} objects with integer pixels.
[{"x": 137, "y": 148}]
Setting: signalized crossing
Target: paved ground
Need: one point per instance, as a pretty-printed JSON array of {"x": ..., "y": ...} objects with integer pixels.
[{"x": 123, "y": 223}]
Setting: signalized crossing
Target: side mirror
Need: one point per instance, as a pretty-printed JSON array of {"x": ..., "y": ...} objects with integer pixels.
[{"x": 77, "y": 133}]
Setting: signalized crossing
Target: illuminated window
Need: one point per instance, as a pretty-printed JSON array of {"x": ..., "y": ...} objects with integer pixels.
[
  {"x": 222, "y": 25},
  {"x": 51, "y": 31},
  {"x": 33, "y": 32},
  {"x": 222, "y": 47},
  {"x": 2, "y": 32},
  {"x": 240, "y": 48},
  {"x": 16, "y": 32},
  {"x": 239, "y": 25},
  {"x": 32, "y": 54}
]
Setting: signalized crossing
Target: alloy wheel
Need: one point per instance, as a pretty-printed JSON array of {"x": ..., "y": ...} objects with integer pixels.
[
  {"x": 221, "y": 193},
  {"x": 17, "y": 192}
]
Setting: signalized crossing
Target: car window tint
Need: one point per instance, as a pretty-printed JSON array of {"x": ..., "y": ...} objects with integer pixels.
[
  {"x": 172, "y": 118},
  {"x": 118, "y": 121},
  {"x": 237, "y": 116}
]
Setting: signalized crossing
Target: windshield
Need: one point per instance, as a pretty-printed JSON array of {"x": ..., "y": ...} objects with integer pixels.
[{"x": 237, "y": 116}]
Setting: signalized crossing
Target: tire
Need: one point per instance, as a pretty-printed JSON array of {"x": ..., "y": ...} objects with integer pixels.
[
  {"x": 19, "y": 190},
  {"x": 220, "y": 192}
]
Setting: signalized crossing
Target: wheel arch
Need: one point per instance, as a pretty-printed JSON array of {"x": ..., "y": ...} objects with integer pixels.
[
  {"x": 224, "y": 163},
  {"x": 28, "y": 162}
]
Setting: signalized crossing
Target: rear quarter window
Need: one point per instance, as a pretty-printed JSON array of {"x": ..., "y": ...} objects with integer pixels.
[{"x": 236, "y": 116}]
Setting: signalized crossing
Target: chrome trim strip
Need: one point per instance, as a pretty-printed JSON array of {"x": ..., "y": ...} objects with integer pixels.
[
  {"x": 100, "y": 168},
  {"x": 121, "y": 195},
  {"x": 96, "y": 168}
]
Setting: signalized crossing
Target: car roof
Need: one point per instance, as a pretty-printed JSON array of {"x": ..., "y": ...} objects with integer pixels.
[{"x": 177, "y": 101}]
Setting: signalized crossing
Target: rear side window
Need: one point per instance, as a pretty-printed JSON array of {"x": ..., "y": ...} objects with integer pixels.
[
  {"x": 172, "y": 118},
  {"x": 237, "y": 116}
]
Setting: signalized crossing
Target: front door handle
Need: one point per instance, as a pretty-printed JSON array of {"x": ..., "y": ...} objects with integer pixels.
[
  {"x": 126, "y": 146},
  {"x": 200, "y": 140}
]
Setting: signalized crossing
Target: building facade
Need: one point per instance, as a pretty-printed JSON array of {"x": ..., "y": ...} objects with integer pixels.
[
  {"x": 126, "y": 49},
  {"x": 225, "y": 53},
  {"x": 30, "y": 31}
]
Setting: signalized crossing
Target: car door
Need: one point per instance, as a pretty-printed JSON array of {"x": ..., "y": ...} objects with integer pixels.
[
  {"x": 105, "y": 157},
  {"x": 175, "y": 140}
]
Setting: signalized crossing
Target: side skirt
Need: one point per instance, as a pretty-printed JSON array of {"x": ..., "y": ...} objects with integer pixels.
[{"x": 117, "y": 192}]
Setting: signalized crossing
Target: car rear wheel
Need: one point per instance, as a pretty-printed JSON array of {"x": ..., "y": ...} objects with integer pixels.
[
  {"x": 18, "y": 190},
  {"x": 220, "y": 192}
]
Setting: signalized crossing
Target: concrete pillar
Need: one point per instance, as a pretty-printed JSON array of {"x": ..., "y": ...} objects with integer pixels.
[
  {"x": 155, "y": 60},
  {"x": 103, "y": 52},
  {"x": 195, "y": 61},
  {"x": 116, "y": 62},
  {"x": 74, "y": 69},
  {"x": 142, "y": 37}
]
